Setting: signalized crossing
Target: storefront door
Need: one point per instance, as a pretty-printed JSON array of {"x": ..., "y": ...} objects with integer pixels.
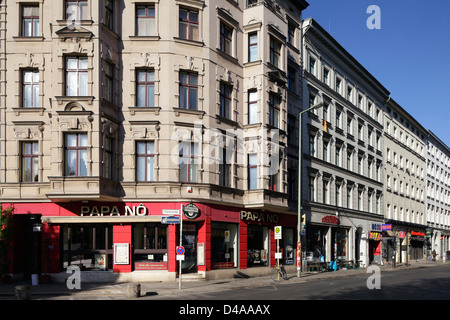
[{"x": 190, "y": 248}]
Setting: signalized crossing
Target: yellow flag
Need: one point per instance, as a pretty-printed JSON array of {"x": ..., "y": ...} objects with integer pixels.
[{"x": 325, "y": 125}]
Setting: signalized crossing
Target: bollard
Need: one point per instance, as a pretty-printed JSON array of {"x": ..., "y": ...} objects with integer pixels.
[
  {"x": 23, "y": 292},
  {"x": 134, "y": 290}
]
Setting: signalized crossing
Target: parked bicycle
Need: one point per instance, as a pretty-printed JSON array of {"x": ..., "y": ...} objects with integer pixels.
[{"x": 279, "y": 273}]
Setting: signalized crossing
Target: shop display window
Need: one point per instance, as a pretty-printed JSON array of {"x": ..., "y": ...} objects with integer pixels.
[
  {"x": 87, "y": 246},
  {"x": 224, "y": 245},
  {"x": 150, "y": 246},
  {"x": 257, "y": 246}
]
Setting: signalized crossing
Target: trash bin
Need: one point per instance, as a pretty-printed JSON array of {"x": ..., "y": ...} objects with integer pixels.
[
  {"x": 23, "y": 292},
  {"x": 134, "y": 290}
]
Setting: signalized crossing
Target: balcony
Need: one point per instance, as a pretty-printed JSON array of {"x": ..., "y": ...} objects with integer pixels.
[{"x": 83, "y": 188}]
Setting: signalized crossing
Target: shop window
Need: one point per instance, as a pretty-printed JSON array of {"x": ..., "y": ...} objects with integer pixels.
[
  {"x": 257, "y": 246},
  {"x": 224, "y": 249},
  {"x": 150, "y": 246},
  {"x": 87, "y": 246}
]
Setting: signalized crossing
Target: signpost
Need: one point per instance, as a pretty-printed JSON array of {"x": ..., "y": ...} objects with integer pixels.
[{"x": 170, "y": 220}]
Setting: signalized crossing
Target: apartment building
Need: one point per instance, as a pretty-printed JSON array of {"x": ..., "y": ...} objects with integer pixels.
[
  {"x": 343, "y": 153},
  {"x": 438, "y": 194},
  {"x": 404, "y": 185},
  {"x": 116, "y": 115}
]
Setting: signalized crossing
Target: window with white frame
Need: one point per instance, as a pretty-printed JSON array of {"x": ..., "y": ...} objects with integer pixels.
[{"x": 30, "y": 20}]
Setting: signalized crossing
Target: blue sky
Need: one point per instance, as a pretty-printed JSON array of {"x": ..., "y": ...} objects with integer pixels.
[{"x": 409, "y": 54}]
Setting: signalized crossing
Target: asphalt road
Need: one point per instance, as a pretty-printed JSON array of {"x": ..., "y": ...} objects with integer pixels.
[{"x": 413, "y": 284}]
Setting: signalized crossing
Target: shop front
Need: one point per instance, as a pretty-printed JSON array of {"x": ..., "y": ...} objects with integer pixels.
[
  {"x": 327, "y": 240},
  {"x": 137, "y": 241}
]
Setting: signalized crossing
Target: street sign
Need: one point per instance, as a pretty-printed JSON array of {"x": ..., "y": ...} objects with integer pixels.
[
  {"x": 170, "y": 220},
  {"x": 171, "y": 212},
  {"x": 180, "y": 250},
  {"x": 277, "y": 232}
]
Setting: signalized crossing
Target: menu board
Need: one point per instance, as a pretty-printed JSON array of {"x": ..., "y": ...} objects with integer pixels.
[{"x": 121, "y": 253}]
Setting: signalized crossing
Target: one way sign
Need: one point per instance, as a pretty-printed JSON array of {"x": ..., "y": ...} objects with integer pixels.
[{"x": 170, "y": 220}]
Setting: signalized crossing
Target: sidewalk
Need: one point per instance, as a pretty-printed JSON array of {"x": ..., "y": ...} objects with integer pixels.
[{"x": 168, "y": 290}]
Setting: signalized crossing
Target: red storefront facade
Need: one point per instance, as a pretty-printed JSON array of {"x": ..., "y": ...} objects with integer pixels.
[{"x": 131, "y": 240}]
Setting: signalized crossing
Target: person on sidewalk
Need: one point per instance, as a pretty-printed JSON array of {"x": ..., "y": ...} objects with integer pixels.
[{"x": 434, "y": 255}]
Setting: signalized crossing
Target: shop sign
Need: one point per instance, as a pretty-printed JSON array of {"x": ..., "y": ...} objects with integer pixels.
[
  {"x": 428, "y": 233},
  {"x": 259, "y": 217},
  {"x": 190, "y": 211},
  {"x": 401, "y": 234},
  {"x": 417, "y": 234},
  {"x": 331, "y": 219},
  {"x": 376, "y": 227},
  {"x": 101, "y": 211},
  {"x": 375, "y": 236},
  {"x": 386, "y": 227}
]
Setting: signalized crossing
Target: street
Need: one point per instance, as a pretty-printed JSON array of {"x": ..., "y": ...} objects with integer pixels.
[{"x": 413, "y": 284}]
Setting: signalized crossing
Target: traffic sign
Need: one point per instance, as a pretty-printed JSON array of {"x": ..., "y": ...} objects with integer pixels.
[
  {"x": 277, "y": 232},
  {"x": 180, "y": 250},
  {"x": 172, "y": 212},
  {"x": 170, "y": 219}
]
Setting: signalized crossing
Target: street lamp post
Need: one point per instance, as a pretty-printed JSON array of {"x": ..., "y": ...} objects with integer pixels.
[{"x": 299, "y": 200}]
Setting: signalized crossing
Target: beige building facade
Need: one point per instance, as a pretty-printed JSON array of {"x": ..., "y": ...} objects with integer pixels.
[
  {"x": 109, "y": 106},
  {"x": 404, "y": 181}
]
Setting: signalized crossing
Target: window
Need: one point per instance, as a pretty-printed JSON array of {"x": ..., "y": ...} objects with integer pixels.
[
  {"x": 76, "y": 154},
  {"x": 339, "y": 85},
  {"x": 225, "y": 168},
  {"x": 312, "y": 188},
  {"x": 252, "y": 107},
  {"x": 109, "y": 158},
  {"x": 109, "y": 14},
  {"x": 188, "y": 162},
  {"x": 188, "y": 90},
  {"x": 274, "y": 110},
  {"x": 145, "y": 21},
  {"x": 30, "y": 162},
  {"x": 30, "y": 21},
  {"x": 225, "y": 100},
  {"x": 274, "y": 173},
  {"x": 349, "y": 197},
  {"x": 338, "y": 200},
  {"x": 275, "y": 53},
  {"x": 325, "y": 145},
  {"x": 252, "y": 171},
  {"x": 76, "y": 76},
  {"x": 291, "y": 34},
  {"x": 252, "y": 47},
  {"x": 76, "y": 10},
  {"x": 30, "y": 89},
  {"x": 150, "y": 246},
  {"x": 145, "y": 88},
  {"x": 291, "y": 75},
  {"x": 188, "y": 24},
  {"x": 109, "y": 82},
  {"x": 145, "y": 160},
  {"x": 326, "y": 191},
  {"x": 226, "y": 38},
  {"x": 87, "y": 246},
  {"x": 312, "y": 145},
  {"x": 338, "y": 119},
  {"x": 312, "y": 65},
  {"x": 338, "y": 155},
  {"x": 326, "y": 76}
]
